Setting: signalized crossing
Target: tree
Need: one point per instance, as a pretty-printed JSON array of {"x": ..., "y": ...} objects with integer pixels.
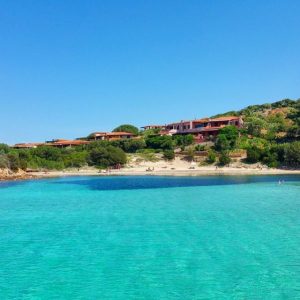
[
  {"x": 292, "y": 154},
  {"x": 254, "y": 125},
  {"x": 169, "y": 154},
  {"x": 76, "y": 159},
  {"x": 48, "y": 153},
  {"x": 13, "y": 161},
  {"x": 211, "y": 157},
  {"x": 4, "y": 163},
  {"x": 107, "y": 156},
  {"x": 295, "y": 113},
  {"x": 253, "y": 154},
  {"x": 130, "y": 145},
  {"x": 127, "y": 128},
  {"x": 227, "y": 138},
  {"x": 224, "y": 159},
  {"x": 184, "y": 140},
  {"x": 190, "y": 154},
  {"x": 293, "y": 132},
  {"x": 270, "y": 158},
  {"x": 4, "y": 148},
  {"x": 222, "y": 143},
  {"x": 164, "y": 142}
]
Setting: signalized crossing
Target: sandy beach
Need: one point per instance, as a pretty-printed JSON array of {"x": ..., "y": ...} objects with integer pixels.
[
  {"x": 203, "y": 171},
  {"x": 176, "y": 167}
]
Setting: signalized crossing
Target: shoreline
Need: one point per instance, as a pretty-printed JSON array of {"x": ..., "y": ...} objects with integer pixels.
[
  {"x": 175, "y": 173},
  {"x": 201, "y": 171}
]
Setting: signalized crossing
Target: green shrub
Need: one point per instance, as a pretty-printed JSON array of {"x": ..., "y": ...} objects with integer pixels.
[
  {"x": 130, "y": 145},
  {"x": 270, "y": 158},
  {"x": 160, "y": 142},
  {"x": 292, "y": 154},
  {"x": 104, "y": 157},
  {"x": 227, "y": 138},
  {"x": 254, "y": 155},
  {"x": 183, "y": 140},
  {"x": 75, "y": 159},
  {"x": 13, "y": 161},
  {"x": 169, "y": 154},
  {"x": 4, "y": 163},
  {"x": 48, "y": 153},
  {"x": 4, "y": 149},
  {"x": 224, "y": 159},
  {"x": 148, "y": 155},
  {"x": 211, "y": 157},
  {"x": 190, "y": 154},
  {"x": 199, "y": 147}
]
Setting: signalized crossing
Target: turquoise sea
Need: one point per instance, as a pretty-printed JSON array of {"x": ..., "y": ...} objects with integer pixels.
[{"x": 150, "y": 238}]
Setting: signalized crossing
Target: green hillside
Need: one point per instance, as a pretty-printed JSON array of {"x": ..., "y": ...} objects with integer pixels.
[{"x": 270, "y": 136}]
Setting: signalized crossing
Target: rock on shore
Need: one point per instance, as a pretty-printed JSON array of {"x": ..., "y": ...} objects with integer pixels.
[{"x": 7, "y": 174}]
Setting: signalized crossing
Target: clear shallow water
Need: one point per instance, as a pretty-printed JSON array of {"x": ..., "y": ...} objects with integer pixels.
[{"x": 150, "y": 238}]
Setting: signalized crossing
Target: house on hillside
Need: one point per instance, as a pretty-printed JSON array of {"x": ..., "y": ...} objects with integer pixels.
[
  {"x": 27, "y": 145},
  {"x": 147, "y": 127},
  {"x": 60, "y": 143},
  {"x": 111, "y": 136},
  {"x": 203, "y": 129}
]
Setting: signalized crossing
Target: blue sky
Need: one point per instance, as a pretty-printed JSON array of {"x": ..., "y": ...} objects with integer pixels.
[{"x": 68, "y": 68}]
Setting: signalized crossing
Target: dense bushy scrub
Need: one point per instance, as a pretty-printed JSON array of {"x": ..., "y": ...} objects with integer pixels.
[
  {"x": 160, "y": 142},
  {"x": 292, "y": 154},
  {"x": 227, "y": 138},
  {"x": 4, "y": 148},
  {"x": 254, "y": 154},
  {"x": 169, "y": 154},
  {"x": 224, "y": 159},
  {"x": 211, "y": 157},
  {"x": 75, "y": 159},
  {"x": 130, "y": 145},
  {"x": 183, "y": 140},
  {"x": 100, "y": 154},
  {"x": 104, "y": 157}
]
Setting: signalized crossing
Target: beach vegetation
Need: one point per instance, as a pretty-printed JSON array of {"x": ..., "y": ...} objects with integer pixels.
[
  {"x": 169, "y": 154},
  {"x": 190, "y": 153},
  {"x": 148, "y": 155},
  {"x": 292, "y": 154},
  {"x": 227, "y": 138},
  {"x": 164, "y": 142},
  {"x": 224, "y": 158},
  {"x": 184, "y": 140},
  {"x": 4, "y": 148},
  {"x": 3, "y": 161},
  {"x": 200, "y": 147},
  {"x": 130, "y": 145},
  {"x": 104, "y": 157},
  {"x": 150, "y": 132},
  {"x": 211, "y": 157}
]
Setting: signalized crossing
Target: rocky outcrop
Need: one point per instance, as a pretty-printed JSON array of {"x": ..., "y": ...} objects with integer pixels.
[{"x": 7, "y": 174}]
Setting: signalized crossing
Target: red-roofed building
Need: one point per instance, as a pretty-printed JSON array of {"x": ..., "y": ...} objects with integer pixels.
[
  {"x": 203, "y": 129},
  {"x": 111, "y": 136},
  {"x": 66, "y": 143},
  {"x": 147, "y": 127},
  {"x": 27, "y": 145}
]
